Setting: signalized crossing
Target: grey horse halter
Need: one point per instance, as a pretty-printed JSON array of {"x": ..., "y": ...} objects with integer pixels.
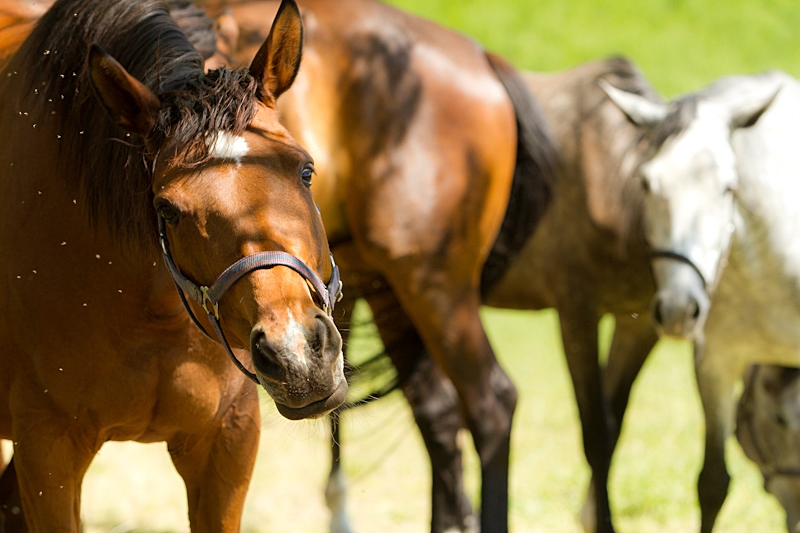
[
  {"x": 209, "y": 296},
  {"x": 675, "y": 256}
]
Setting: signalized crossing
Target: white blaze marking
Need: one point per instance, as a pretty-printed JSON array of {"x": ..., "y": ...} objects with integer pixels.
[
  {"x": 294, "y": 339},
  {"x": 229, "y": 146}
]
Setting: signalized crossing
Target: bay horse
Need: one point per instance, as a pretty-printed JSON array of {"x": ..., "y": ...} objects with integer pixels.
[
  {"x": 587, "y": 258},
  {"x": 418, "y": 135},
  {"x": 768, "y": 429},
  {"x": 720, "y": 181},
  {"x": 128, "y": 172},
  {"x": 17, "y": 18}
]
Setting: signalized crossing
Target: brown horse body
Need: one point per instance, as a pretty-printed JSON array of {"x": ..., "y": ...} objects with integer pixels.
[
  {"x": 96, "y": 344},
  {"x": 17, "y": 18},
  {"x": 415, "y": 134},
  {"x": 586, "y": 258}
]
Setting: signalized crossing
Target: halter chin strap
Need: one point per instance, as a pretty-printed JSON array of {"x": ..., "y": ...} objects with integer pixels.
[
  {"x": 209, "y": 296},
  {"x": 675, "y": 256}
]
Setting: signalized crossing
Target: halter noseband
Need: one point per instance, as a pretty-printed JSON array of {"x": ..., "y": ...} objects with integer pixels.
[
  {"x": 675, "y": 256},
  {"x": 209, "y": 296}
]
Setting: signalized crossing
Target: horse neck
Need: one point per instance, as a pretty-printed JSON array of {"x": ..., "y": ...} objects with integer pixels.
[
  {"x": 768, "y": 188},
  {"x": 47, "y": 219},
  {"x": 598, "y": 149}
]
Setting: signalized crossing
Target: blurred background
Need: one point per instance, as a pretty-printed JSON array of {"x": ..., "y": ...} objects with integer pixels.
[{"x": 680, "y": 45}]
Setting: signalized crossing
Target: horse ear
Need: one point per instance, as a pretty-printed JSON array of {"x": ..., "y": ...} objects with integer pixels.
[
  {"x": 638, "y": 109},
  {"x": 278, "y": 60},
  {"x": 132, "y": 105},
  {"x": 746, "y": 114}
]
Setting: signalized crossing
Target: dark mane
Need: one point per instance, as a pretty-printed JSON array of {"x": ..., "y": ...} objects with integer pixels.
[
  {"x": 111, "y": 170},
  {"x": 682, "y": 112},
  {"x": 731, "y": 89}
]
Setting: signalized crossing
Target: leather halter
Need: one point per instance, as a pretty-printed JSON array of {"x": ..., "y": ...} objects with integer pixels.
[
  {"x": 209, "y": 296},
  {"x": 675, "y": 256},
  {"x": 768, "y": 468}
]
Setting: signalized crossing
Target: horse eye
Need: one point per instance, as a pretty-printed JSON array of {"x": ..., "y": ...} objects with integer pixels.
[
  {"x": 168, "y": 212},
  {"x": 307, "y": 174}
]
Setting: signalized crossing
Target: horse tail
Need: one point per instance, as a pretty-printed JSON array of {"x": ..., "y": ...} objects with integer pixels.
[{"x": 534, "y": 175}]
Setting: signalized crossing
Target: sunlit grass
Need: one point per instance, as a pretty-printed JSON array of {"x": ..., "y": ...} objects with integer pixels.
[
  {"x": 680, "y": 44},
  {"x": 652, "y": 481}
]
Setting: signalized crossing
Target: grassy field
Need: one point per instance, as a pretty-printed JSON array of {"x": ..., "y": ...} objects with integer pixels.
[
  {"x": 652, "y": 481},
  {"x": 680, "y": 45}
]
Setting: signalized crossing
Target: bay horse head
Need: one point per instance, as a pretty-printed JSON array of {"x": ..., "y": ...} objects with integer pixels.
[
  {"x": 239, "y": 230},
  {"x": 689, "y": 174}
]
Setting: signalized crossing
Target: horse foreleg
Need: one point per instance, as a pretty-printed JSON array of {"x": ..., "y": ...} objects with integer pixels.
[
  {"x": 12, "y": 519},
  {"x": 336, "y": 490},
  {"x": 579, "y": 333},
  {"x": 716, "y": 377},
  {"x": 216, "y": 466},
  {"x": 51, "y": 457},
  {"x": 634, "y": 338}
]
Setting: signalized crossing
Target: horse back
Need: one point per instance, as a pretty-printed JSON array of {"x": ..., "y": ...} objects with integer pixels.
[
  {"x": 412, "y": 133},
  {"x": 591, "y": 232}
]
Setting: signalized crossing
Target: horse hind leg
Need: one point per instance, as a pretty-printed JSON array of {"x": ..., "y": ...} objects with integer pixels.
[
  {"x": 449, "y": 324},
  {"x": 716, "y": 376},
  {"x": 434, "y": 403},
  {"x": 336, "y": 488}
]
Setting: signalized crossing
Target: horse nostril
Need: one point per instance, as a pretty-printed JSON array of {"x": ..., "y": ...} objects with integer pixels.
[
  {"x": 657, "y": 316},
  {"x": 695, "y": 310},
  {"x": 265, "y": 356}
]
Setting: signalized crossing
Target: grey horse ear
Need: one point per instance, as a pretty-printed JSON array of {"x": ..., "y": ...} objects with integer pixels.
[
  {"x": 638, "y": 109},
  {"x": 746, "y": 113}
]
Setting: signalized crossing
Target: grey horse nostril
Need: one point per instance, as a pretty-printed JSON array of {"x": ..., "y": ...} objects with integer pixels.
[
  {"x": 696, "y": 310},
  {"x": 657, "y": 316}
]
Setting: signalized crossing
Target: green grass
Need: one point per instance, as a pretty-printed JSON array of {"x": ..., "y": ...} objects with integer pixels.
[
  {"x": 680, "y": 45},
  {"x": 652, "y": 479}
]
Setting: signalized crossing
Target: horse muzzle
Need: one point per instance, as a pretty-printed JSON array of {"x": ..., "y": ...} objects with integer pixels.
[
  {"x": 680, "y": 311},
  {"x": 302, "y": 367},
  {"x": 681, "y": 304}
]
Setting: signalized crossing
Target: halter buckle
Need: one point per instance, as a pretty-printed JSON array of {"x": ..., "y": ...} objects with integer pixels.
[{"x": 208, "y": 300}]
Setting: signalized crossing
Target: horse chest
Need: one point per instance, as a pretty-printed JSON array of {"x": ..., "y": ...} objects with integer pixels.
[{"x": 757, "y": 304}]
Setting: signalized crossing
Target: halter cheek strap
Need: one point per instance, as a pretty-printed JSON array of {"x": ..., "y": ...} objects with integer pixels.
[{"x": 209, "y": 296}]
